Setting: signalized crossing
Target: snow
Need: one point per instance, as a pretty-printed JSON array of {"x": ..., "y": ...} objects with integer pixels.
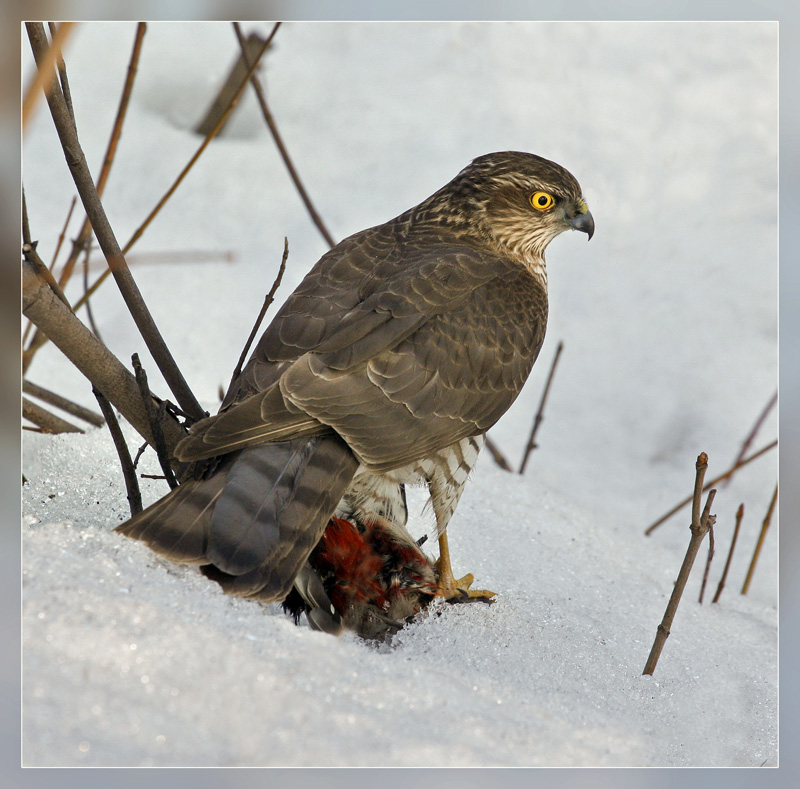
[{"x": 669, "y": 323}]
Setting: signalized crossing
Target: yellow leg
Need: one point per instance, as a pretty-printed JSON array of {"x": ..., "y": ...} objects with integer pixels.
[{"x": 452, "y": 589}]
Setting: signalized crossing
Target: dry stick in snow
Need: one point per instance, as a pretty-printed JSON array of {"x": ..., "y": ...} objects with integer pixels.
[
  {"x": 253, "y": 44},
  {"x": 61, "y": 402},
  {"x": 159, "y": 444},
  {"x": 81, "y": 242},
  {"x": 721, "y": 585},
  {"x": 700, "y": 525},
  {"x": 128, "y": 470},
  {"x": 315, "y": 217},
  {"x": 540, "y": 412},
  {"x": 497, "y": 455},
  {"x": 270, "y": 297},
  {"x": 76, "y": 161},
  {"x": 760, "y": 542},
  {"x": 756, "y": 427},
  {"x": 49, "y": 423},
  {"x": 162, "y": 202},
  {"x": 708, "y": 563},
  {"x": 730, "y": 472}
]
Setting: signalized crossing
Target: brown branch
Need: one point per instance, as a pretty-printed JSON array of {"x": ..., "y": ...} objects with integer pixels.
[
  {"x": 540, "y": 412},
  {"x": 714, "y": 481},
  {"x": 62, "y": 71},
  {"x": 128, "y": 471},
  {"x": 701, "y": 523},
  {"x": 708, "y": 564},
  {"x": 265, "y": 111},
  {"x": 270, "y": 297},
  {"x": 44, "y": 73},
  {"x": 760, "y": 541},
  {"x": 76, "y": 162},
  {"x": 49, "y": 423},
  {"x": 497, "y": 455},
  {"x": 81, "y": 243},
  {"x": 152, "y": 215},
  {"x": 45, "y": 395},
  {"x": 721, "y": 585},
  {"x": 222, "y": 100},
  {"x": 89, "y": 355},
  {"x": 159, "y": 444},
  {"x": 756, "y": 427}
]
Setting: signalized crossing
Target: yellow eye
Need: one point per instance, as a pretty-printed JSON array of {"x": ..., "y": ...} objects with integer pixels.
[{"x": 541, "y": 201}]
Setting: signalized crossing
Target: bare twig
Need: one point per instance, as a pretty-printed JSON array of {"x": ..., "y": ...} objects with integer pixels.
[
  {"x": 762, "y": 534},
  {"x": 756, "y": 427},
  {"x": 169, "y": 256},
  {"x": 714, "y": 481},
  {"x": 701, "y": 523},
  {"x": 44, "y": 73},
  {"x": 315, "y": 217},
  {"x": 32, "y": 256},
  {"x": 49, "y": 423},
  {"x": 76, "y": 162},
  {"x": 152, "y": 215},
  {"x": 270, "y": 297},
  {"x": 62, "y": 72},
  {"x": 540, "y": 412},
  {"x": 253, "y": 44},
  {"x": 61, "y": 402},
  {"x": 81, "y": 243},
  {"x": 159, "y": 444},
  {"x": 721, "y": 585},
  {"x": 708, "y": 563},
  {"x": 128, "y": 471},
  {"x": 89, "y": 355},
  {"x": 89, "y": 310},
  {"x": 497, "y": 455}
]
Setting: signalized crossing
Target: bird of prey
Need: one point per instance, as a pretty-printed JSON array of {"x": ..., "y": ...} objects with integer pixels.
[{"x": 401, "y": 347}]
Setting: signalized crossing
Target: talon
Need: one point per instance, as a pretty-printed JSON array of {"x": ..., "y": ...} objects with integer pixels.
[{"x": 457, "y": 590}]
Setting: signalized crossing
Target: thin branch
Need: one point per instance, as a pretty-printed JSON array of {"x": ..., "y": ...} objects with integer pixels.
[
  {"x": 760, "y": 542},
  {"x": 46, "y": 396},
  {"x": 701, "y": 523},
  {"x": 540, "y": 412},
  {"x": 44, "y": 73},
  {"x": 721, "y": 585},
  {"x": 62, "y": 72},
  {"x": 152, "y": 215},
  {"x": 714, "y": 481},
  {"x": 48, "y": 422},
  {"x": 708, "y": 564},
  {"x": 756, "y": 427},
  {"x": 128, "y": 471},
  {"x": 89, "y": 311},
  {"x": 81, "y": 243},
  {"x": 497, "y": 455},
  {"x": 315, "y": 217},
  {"x": 89, "y": 355},
  {"x": 76, "y": 162},
  {"x": 159, "y": 444},
  {"x": 229, "y": 87},
  {"x": 270, "y": 297}
]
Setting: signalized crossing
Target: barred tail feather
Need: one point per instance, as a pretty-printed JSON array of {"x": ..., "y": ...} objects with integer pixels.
[{"x": 254, "y": 522}]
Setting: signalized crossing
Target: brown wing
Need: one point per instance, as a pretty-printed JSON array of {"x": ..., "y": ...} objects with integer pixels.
[{"x": 401, "y": 345}]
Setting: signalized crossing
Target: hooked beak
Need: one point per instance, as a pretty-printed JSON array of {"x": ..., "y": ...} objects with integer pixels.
[{"x": 583, "y": 222}]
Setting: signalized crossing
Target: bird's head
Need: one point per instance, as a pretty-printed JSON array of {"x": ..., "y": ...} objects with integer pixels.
[{"x": 518, "y": 201}]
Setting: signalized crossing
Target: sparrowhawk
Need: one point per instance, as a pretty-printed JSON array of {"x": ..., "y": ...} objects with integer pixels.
[{"x": 401, "y": 347}]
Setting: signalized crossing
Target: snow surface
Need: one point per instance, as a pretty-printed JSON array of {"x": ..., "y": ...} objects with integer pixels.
[{"x": 669, "y": 325}]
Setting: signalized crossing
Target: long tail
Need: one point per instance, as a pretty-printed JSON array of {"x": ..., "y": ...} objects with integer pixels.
[{"x": 255, "y": 520}]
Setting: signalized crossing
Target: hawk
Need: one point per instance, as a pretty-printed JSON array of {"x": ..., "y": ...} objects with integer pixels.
[{"x": 402, "y": 346}]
